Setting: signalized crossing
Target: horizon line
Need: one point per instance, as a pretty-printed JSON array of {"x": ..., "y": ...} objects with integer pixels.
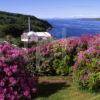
[{"x": 71, "y": 17}]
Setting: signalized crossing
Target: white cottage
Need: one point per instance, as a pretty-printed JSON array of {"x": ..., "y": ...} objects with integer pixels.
[{"x": 35, "y": 36}]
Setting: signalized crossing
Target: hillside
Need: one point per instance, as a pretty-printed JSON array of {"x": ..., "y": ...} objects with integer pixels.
[{"x": 14, "y": 24}]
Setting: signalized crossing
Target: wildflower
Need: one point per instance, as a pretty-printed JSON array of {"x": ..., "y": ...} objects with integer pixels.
[
  {"x": 2, "y": 83},
  {"x": 26, "y": 93},
  {"x": 8, "y": 71},
  {"x": 2, "y": 96},
  {"x": 14, "y": 68},
  {"x": 12, "y": 80}
]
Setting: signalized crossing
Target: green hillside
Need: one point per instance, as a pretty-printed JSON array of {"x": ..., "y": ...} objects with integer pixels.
[{"x": 14, "y": 24}]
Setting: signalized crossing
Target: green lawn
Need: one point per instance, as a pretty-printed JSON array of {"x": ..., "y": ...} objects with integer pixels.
[{"x": 61, "y": 88}]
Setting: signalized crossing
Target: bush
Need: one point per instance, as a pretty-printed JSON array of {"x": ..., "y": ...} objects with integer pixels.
[
  {"x": 61, "y": 66},
  {"x": 51, "y": 59},
  {"x": 16, "y": 41},
  {"x": 15, "y": 81},
  {"x": 87, "y": 69},
  {"x": 57, "y": 57}
]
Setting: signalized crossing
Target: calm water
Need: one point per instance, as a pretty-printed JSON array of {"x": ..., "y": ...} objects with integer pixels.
[{"x": 71, "y": 27}]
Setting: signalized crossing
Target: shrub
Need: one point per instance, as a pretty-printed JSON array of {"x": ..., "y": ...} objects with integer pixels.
[
  {"x": 87, "y": 69},
  {"x": 54, "y": 58},
  {"x": 16, "y": 41},
  {"x": 57, "y": 57},
  {"x": 61, "y": 66},
  {"x": 15, "y": 81}
]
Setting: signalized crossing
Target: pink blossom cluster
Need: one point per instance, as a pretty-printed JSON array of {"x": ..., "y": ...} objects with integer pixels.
[
  {"x": 80, "y": 45},
  {"x": 69, "y": 44},
  {"x": 15, "y": 81},
  {"x": 84, "y": 58},
  {"x": 95, "y": 40},
  {"x": 87, "y": 65},
  {"x": 88, "y": 54}
]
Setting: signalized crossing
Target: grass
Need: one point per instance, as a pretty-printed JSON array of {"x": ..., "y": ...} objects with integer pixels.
[{"x": 61, "y": 88}]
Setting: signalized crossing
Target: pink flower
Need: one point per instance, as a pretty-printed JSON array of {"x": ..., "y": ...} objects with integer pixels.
[
  {"x": 2, "y": 83},
  {"x": 12, "y": 80},
  {"x": 14, "y": 68},
  {"x": 13, "y": 77},
  {"x": 81, "y": 56},
  {"x": 2, "y": 96},
  {"x": 26, "y": 93},
  {"x": 8, "y": 71},
  {"x": 91, "y": 50}
]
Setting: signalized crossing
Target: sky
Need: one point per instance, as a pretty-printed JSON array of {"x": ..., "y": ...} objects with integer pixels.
[{"x": 53, "y": 8}]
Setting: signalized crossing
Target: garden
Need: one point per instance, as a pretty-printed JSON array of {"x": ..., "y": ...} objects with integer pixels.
[{"x": 59, "y": 70}]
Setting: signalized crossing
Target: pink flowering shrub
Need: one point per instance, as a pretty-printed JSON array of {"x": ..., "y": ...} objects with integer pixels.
[
  {"x": 47, "y": 58},
  {"x": 57, "y": 57},
  {"x": 87, "y": 68},
  {"x": 15, "y": 81}
]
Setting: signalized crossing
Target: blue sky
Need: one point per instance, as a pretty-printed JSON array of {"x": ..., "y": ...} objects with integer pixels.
[{"x": 53, "y": 8}]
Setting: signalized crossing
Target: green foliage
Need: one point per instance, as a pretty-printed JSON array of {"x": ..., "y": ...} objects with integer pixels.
[
  {"x": 87, "y": 70},
  {"x": 15, "y": 24},
  {"x": 13, "y": 30},
  {"x": 58, "y": 62},
  {"x": 60, "y": 65},
  {"x": 16, "y": 41}
]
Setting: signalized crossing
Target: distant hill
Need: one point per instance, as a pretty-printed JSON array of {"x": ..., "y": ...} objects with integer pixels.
[
  {"x": 98, "y": 19},
  {"x": 14, "y": 24}
]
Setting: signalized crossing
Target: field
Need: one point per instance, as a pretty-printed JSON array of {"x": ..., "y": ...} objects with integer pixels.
[{"x": 60, "y": 88}]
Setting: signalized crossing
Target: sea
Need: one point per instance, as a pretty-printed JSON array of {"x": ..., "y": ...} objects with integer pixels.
[{"x": 63, "y": 28}]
